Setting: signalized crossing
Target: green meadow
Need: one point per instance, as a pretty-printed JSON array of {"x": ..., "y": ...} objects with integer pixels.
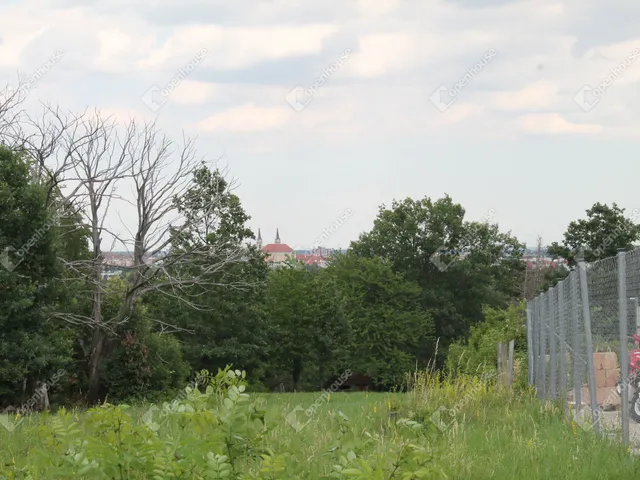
[{"x": 467, "y": 428}]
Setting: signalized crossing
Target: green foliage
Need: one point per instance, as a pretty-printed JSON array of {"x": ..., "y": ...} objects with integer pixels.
[
  {"x": 486, "y": 432},
  {"x": 390, "y": 330},
  {"x": 551, "y": 277},
  {"x": 211, "y": 434},
  {"x": 408, "y": 456},
  {"x": 228, "y": 325},
  {"x": 141, "y": 363},
  {"x": 308, "y": 328},
  {"x": 479, "y": 352},
  {"x": 32, "y": 345},
  {"x": 144, "y": 365},
  {"x": 600, "y": 235},
  {"x": 377, "y": 311},
  {"x": 458, "y": 265}
]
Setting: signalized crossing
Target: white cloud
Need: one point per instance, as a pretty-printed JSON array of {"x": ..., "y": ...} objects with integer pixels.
[
  {"x": 379, "y": 100},
  {"x": 112, "y": 44},
  {"x": 190, "y": 92},
  {"x": 401, "y": 51},
  {"x": 554, "y": 124},
  {"x": 124, "y": 114},
  {"x": 13, "y": 44},
  {"x": 246, "y": 118},
  {"x": 462, "y": 111},
  {"x": 540, "y": 94},
  {"x": 383, "y": 53},
  {"x": 237, "y": 47}
]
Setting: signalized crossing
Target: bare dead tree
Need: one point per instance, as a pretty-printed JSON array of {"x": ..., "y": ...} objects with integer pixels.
[
  {"x": 10, "y": 111},
  {"x": 51, "y": 140},
  {"x": 98, "y": 160},
  {"x": 160, "y": 172}
]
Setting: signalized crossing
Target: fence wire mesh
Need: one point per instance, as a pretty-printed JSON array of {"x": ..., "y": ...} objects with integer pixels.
[{"x": 580, "y": 335}]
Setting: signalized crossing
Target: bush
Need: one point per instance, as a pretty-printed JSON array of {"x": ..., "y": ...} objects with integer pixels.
[
  {"x": 219, "y": 429},
  {"x": 145, "y": 365},
  {"x": 480, "y": 353}
]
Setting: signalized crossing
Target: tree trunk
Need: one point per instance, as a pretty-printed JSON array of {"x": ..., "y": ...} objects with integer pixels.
[
  {"x": 99, "y": 336},
  {"x": 95, "y": 363},
  {"x": 42, "y": 397},
  {"x": 296, "y": 373}
]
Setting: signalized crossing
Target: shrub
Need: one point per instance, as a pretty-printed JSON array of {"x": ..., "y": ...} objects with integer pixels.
[{"x": 479, "y": 353}]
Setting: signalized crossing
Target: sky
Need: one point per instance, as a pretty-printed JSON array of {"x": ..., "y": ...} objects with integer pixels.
[{"x": 529, "y": 109}]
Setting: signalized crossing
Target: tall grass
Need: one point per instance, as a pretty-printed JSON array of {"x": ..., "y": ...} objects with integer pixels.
[{"x": 486, "y": 432}]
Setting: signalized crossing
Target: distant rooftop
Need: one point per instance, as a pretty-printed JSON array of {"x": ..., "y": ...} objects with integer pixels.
[{"x": 324, "y": 249}]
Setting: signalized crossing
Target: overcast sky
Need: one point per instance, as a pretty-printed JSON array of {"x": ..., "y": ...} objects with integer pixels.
[{"x": 520, "y": 135}]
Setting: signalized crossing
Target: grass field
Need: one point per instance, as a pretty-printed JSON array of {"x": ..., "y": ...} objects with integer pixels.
[{"x": 491, "y": 434}]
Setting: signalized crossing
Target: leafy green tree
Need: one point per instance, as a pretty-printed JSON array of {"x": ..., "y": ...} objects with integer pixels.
[
  {"x": 307, "y": 327},
  {"x": 551, "y": 277},
  {"x": 228, "y": 327},
  {"x": 332, "y": 333},
  {"x": 141, "y": 363},
  {"x": 458, "y": 265},
  {"x": 390, "y": 330},
  {"x": 600, "y": 235},
  {"x": 227, "y": 324},
  {"x": 32, "y": 346}
]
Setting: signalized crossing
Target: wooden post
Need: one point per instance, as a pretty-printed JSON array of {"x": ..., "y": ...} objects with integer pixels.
[
  {"x": 499, "y": 363},
  {"x": 502, "y": 364},
  {"x": 42, "y": 397},
  {"x": 510, "y": 369}
]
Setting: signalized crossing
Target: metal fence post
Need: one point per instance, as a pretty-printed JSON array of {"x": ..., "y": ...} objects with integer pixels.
[
  {"x": 534, "y": 340},
  {"x": 530, "y": 342},
  {"x": 553, "y": 354},
  {"x": 637, "y": 307},
  {"x": 636, "y": 313},
  {"x": 624, "y": 353},
  {"x": 563, "y": 346},
  {"x": 542, "y": 370},
  {"x": 577, "y": 360},
  {"x": 535, "y": 335},
  {"x": 586, "y": 317}
]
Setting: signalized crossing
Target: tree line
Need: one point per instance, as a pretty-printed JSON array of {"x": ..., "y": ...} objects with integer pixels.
[{"x": 422, "y": 279}]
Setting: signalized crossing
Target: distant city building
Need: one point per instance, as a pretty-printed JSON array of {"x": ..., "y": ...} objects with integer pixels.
[
  {"x": 118, "y": 259},
  {"x": 125, "y": 259},
  {"x": 315, "y": 258},
  {"x": 319, "y": 257},
  {"x": 277, "y": 252},
  {"x": 534, "y": 261}
]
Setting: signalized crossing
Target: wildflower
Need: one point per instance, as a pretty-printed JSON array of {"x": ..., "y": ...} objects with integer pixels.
[
  {"x": 375, "y": 409},
  {"x": 389, "y": 404},
  {"x": 573, "y": 427},
  {"x": 328, "y": 397}
]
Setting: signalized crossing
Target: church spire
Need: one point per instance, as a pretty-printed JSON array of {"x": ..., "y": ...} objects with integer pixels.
[
  {"x": 277, "y": 236},
  {"x": 259, "y": 239}
]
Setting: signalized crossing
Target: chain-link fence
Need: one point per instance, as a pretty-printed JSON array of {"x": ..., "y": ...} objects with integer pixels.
[{"x": 582, "y": 346}]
